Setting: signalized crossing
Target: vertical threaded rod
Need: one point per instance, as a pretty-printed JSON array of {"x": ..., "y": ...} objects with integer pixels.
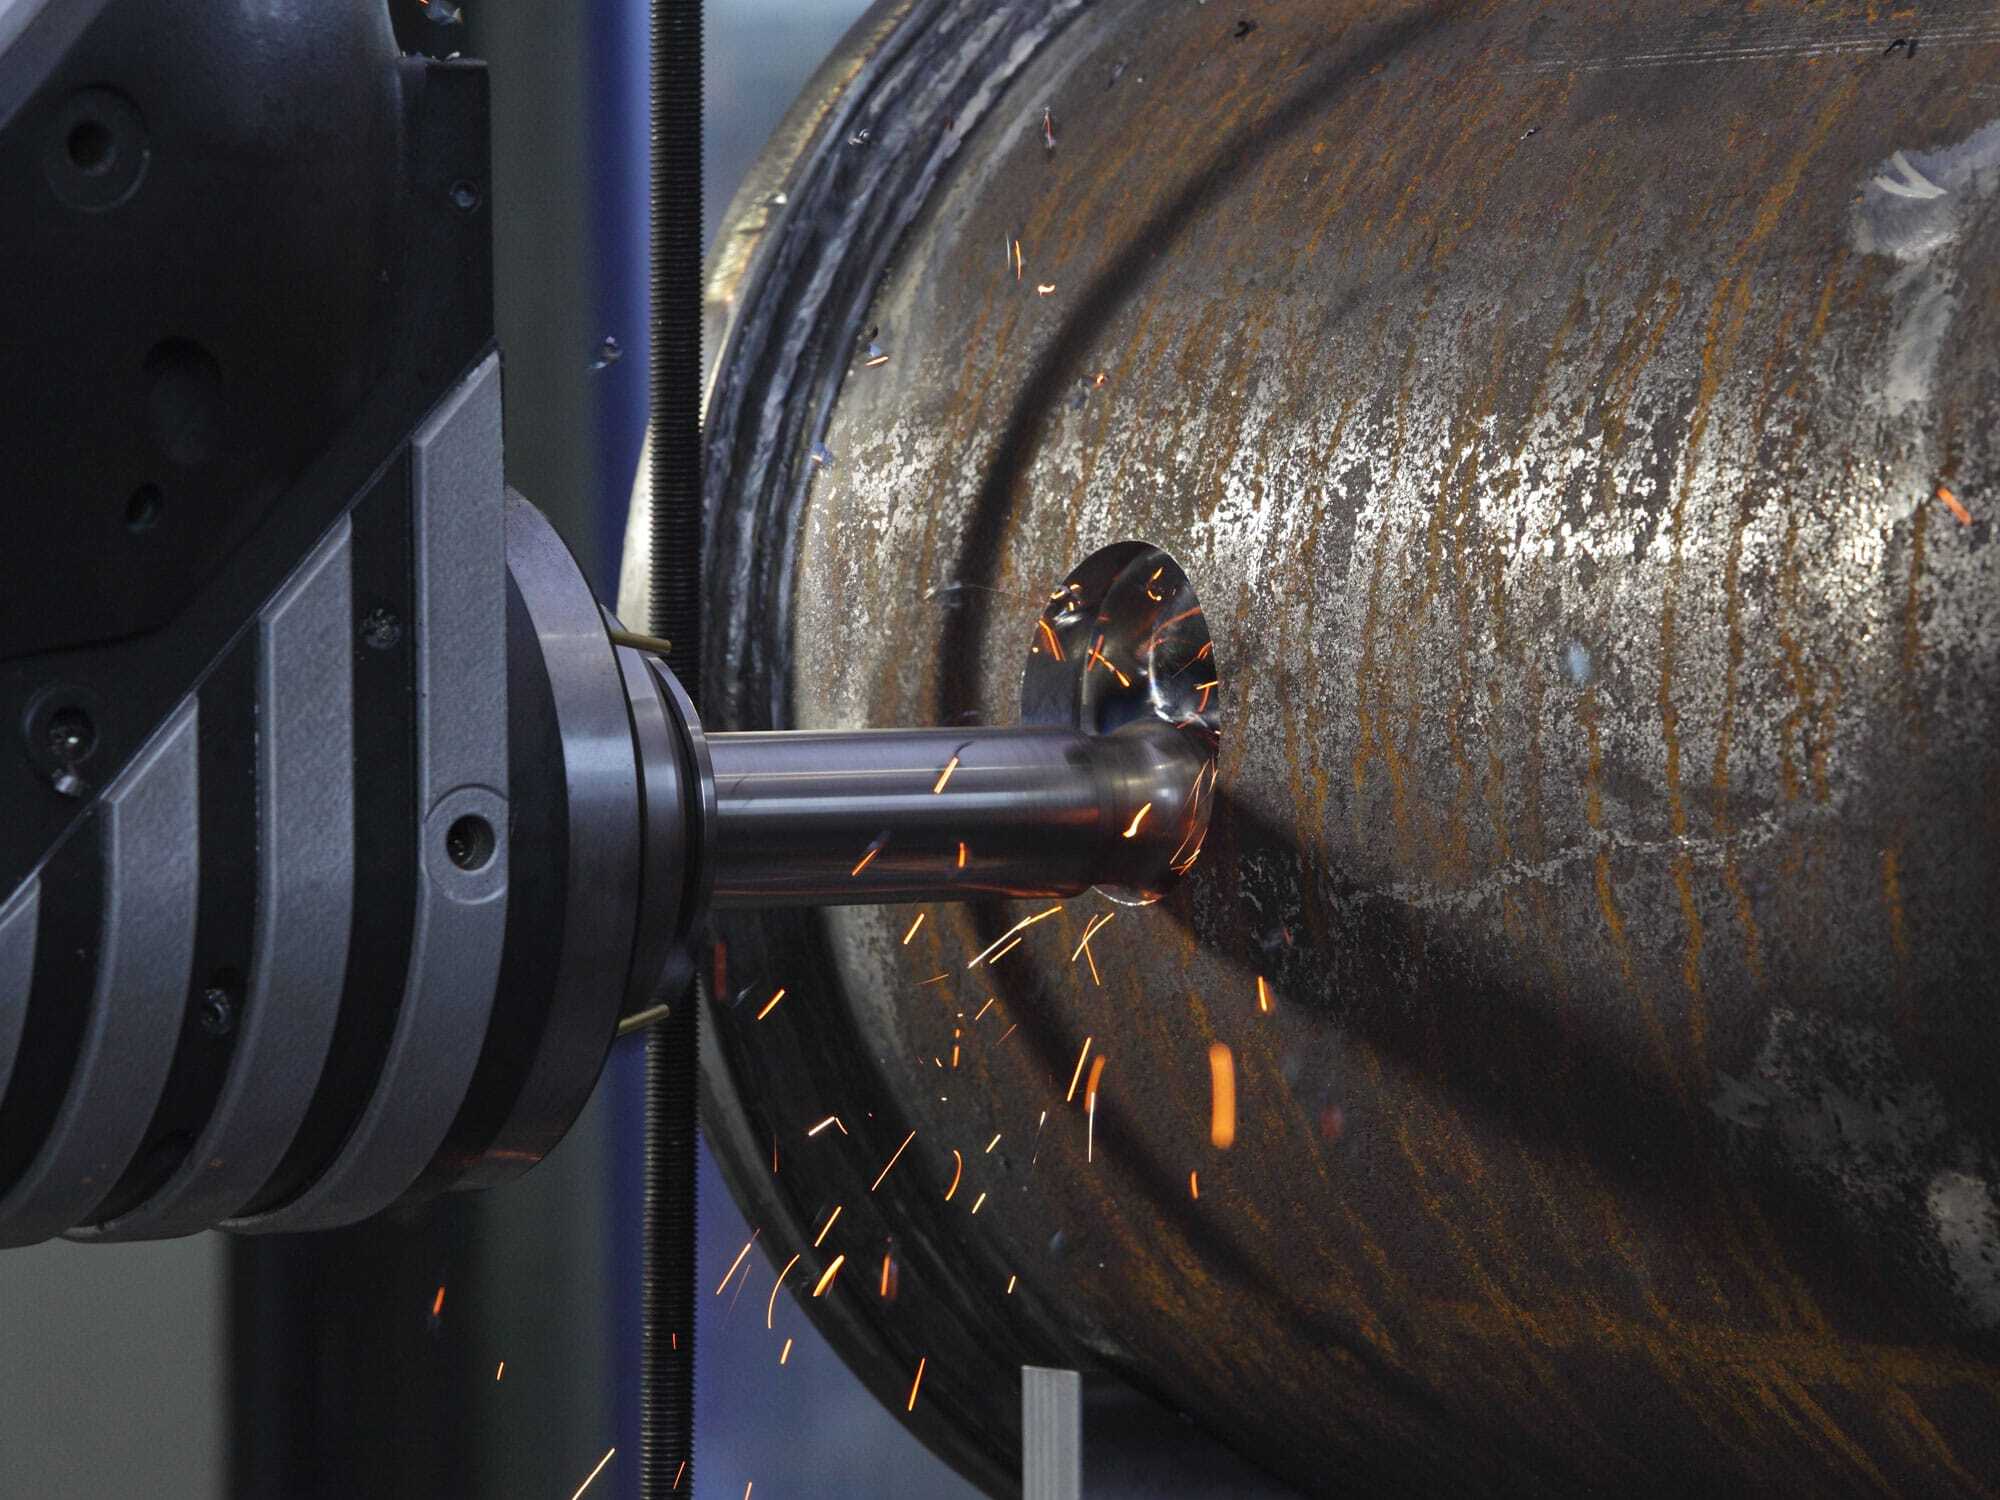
[{"x": 667, "y": 1372}]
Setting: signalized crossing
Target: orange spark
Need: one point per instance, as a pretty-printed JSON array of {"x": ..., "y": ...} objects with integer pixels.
[
  {"x": 986, "y": 1007},
  {"x": 892, "y": 1161},
  {"x": 1003, "y": 953},
  {"x": 1161, "y": 634},
  {"x": 1017, "y": 260},
  {"x": 1222, "y": 1097},
  {"x": 1025, "y": 922},
  {"x": 1008, "y": 1032},
  {"x": 1132, "y": 828},
  {"x": 1951, "y": 503},
  {"x": 873, "y": 850},
  {"x": 1156, "y": 598},
  {"x": 437, "y": 1304},
  {"x": 957, "y": 1171},
  {"x": 961, "y": 854},
  {"x": 1097, "y": 656},
  {"x": 1010, "y": 1284},
  {"x": 1096, "y": 925},
  {"x": 786, "y": 1352},
  {"x": 1090, "y": 1108},
  {"x": 594, "y": 1473},
  {"x": 828, "y": 1224},
  {"x": 829, "y": 1120},
  {"x": 934, "y": 979},
  {"x": 913, "y": 928},
  {"x": 826, "y": 1277},
  {"x": 1055, "y": 646},
  {"x": 1194, "y": 1186},
  {"x": 992, "y": 1143},
  {"x": 740, "y": 1254},
  {"x": 679, "y": 1472},
  {"x": 1071, "y": 1095},
  {"x": 771, "y": 1004},
  {"x": 1263, "y": 996},
  {"x": 497, "y": 1374},
  {"x": 1043, "y": 288},
  {"x": 888, "y": 1274},
  {"x": 949, "y": 766},
  {"x": 771, "y": 1306},
  {"x": 915, "y": 1383},
  {"x": 977, "y": 1201},
  {"x": 1196, "y": 831}
]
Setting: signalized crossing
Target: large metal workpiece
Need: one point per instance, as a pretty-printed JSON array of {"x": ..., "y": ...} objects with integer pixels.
[{"x": 1580, "y": 422}]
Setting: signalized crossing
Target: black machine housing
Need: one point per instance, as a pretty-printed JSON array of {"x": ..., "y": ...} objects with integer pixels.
[{"x": 249, "y": 321}]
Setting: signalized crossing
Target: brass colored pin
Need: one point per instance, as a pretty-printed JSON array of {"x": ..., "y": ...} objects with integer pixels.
[{"x": 639, "y": 1020}]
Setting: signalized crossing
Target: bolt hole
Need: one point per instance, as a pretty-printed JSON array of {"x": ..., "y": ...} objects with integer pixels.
[
  {"x": 142, "y": 511},
  {"x": 218, "y": 1007},
  {"x": 469, "y": 842},
  {"x": 92, "y": 150},
  {"x": 71, "y": 735},
  {"x": 380, "y": 629}
]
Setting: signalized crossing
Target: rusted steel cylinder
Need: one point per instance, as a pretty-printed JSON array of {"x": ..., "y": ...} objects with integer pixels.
[{"x": 1580, "y": 423}]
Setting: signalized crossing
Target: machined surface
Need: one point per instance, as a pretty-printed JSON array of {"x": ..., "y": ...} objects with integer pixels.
[
  {"x": 151, "y": 855},
  {"x": 1552, "y": 407},
  {"x": 826, "y": 818},
  {"x": 306, "y": 875},
  {"x": 461, "y": 674},
  {"x": 596, "y": 781},
  {"x": 671, "y": 883}
]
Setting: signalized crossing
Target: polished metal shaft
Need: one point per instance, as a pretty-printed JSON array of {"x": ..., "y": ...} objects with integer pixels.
[{"x": 816, "y": 818}]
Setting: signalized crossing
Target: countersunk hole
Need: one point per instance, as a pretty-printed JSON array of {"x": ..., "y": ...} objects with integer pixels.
[
  {"x": 221, "y": 1001},
  {"x": 142, "y": 511},
  {"x": 218, "y": 1002},
  {"x": 96, "y": 149},
  {"x": 92, "y": 149},
  {"x": 71, "y": 735},
  {"x": 469, "y": 842}
]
